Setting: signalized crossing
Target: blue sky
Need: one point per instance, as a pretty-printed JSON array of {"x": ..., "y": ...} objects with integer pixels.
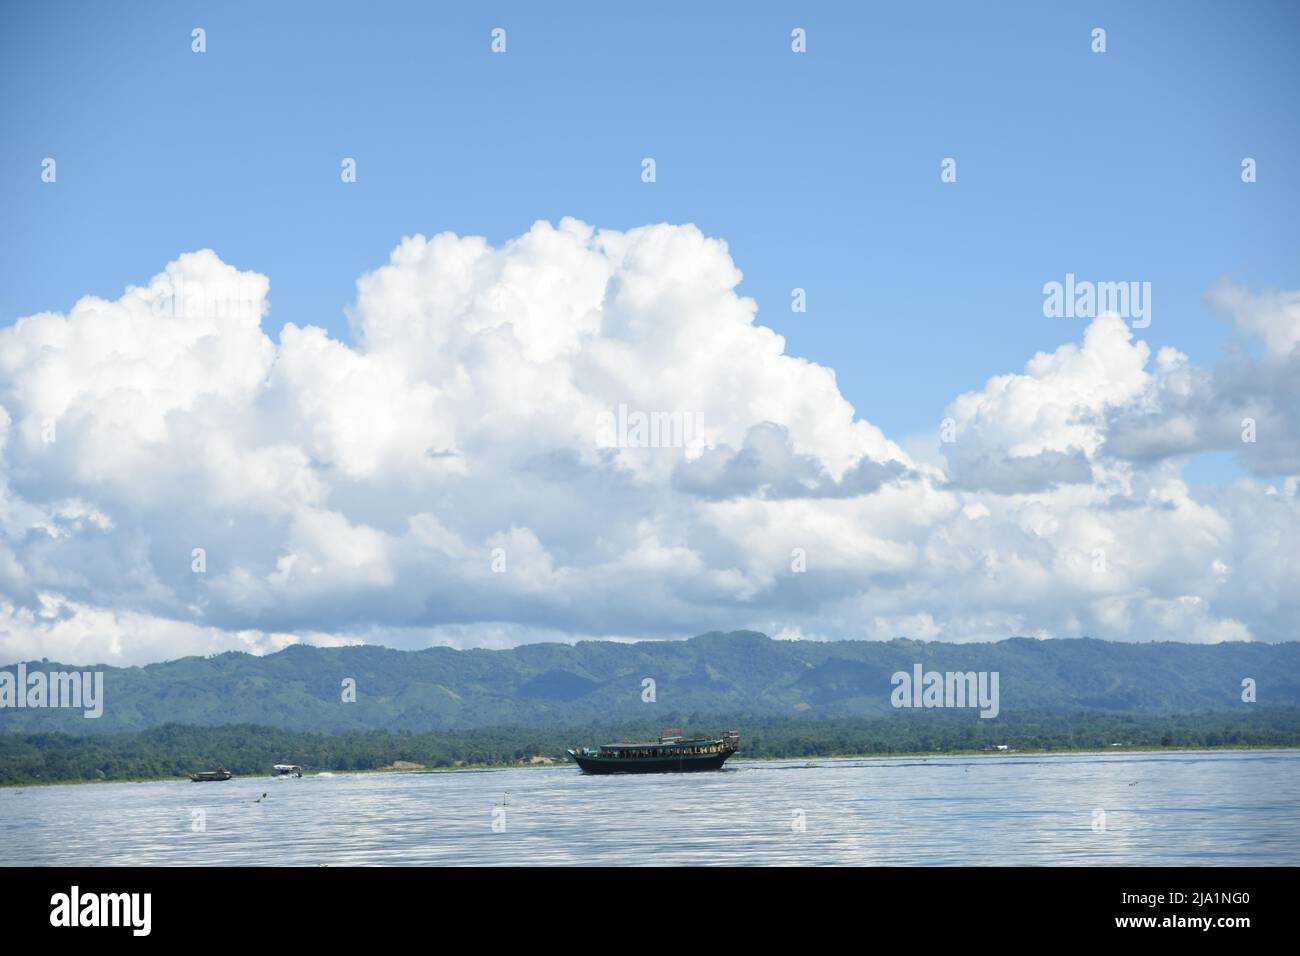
[
  {"x": 820, "y": 171},
  {"x": 347, "y": 490}
]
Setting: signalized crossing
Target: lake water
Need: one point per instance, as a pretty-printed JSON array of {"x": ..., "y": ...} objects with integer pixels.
[{"x": 1226, "y": 808}]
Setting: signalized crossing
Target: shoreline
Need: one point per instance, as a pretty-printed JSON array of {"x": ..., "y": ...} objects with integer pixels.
[{"x": 569, "y": 765}]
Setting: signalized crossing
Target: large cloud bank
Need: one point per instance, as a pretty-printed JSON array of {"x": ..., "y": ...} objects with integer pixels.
[{"x": 585, "y": 433}]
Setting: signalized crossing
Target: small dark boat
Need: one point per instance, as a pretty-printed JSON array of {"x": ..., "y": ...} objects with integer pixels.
[
  {"x": 671, "y": 753},
  {"x": 210, "y": 776}
]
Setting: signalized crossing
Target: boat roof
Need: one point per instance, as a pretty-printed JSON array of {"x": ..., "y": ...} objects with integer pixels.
[{"x": 664, "y": 743}]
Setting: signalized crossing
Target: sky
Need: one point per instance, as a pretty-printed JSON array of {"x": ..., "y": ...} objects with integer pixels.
[{"x": 406, "y": 406}]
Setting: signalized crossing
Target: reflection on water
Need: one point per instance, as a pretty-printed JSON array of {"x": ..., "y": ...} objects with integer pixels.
[{"x": 1236, "y": 807}]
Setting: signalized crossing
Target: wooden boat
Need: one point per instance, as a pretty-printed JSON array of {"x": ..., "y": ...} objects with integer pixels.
[
  {"x": 671, "y": 753},
  {"x": 211, "y": 776}
]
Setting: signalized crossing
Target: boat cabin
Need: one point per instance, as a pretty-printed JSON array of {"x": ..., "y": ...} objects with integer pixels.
[{"x": 671, "y": 743}]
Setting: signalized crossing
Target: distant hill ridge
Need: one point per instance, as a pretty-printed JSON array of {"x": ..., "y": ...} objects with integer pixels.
[{"x": 741, "y": 673}]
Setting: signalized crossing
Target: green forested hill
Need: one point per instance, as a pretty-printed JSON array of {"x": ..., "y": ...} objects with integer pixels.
[{"x": 743, "y": 674}]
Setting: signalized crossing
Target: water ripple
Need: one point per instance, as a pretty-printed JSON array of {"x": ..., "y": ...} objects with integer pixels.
[{"x": 1228, "y": 808}]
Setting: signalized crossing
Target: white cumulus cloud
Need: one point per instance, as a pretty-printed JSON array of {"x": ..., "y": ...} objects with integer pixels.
[{"x": 479, "y": 467}]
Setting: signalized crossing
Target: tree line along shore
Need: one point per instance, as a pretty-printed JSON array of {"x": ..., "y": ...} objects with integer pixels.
[{"x": 175, "y": 750}]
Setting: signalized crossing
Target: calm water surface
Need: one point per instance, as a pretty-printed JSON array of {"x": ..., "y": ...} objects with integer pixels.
[{"x": 1227, "y": 808}]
